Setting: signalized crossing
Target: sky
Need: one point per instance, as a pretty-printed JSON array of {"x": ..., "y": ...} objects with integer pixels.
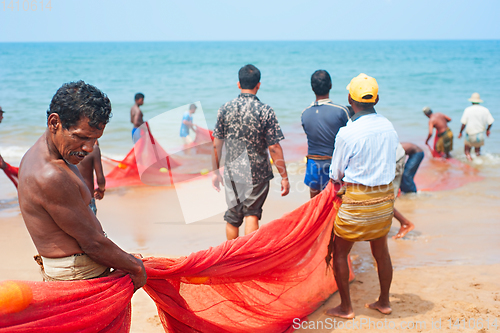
[{"x": 261, "y": 20}]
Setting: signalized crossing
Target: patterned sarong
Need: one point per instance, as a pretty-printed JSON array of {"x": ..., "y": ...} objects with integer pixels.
[
  {"x": 366, "y": 212},
  {"x": 444, "y": 144}
]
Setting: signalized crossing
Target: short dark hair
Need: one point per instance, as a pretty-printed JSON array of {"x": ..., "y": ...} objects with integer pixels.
[
  {"x": 138, "y": 96},
  {"x": 321, "y": 82},
  {"x": 249, "y": 76},
  {"x": 364, "y": 105},
  {"x": 75, "y": 100}
]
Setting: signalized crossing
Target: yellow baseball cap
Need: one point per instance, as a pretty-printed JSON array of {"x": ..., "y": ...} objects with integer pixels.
[{"x": 361, "y": 86}]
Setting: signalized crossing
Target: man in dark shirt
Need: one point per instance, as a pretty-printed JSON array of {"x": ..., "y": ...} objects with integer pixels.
[
  {"x": 321, "y": 122},
  {"x": 248, "y": 128}
]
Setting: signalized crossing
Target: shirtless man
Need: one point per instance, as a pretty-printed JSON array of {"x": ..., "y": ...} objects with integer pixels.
[
  {"x": 440, "y": 121},
  {"x": 136, "y": 116},
  {"x": 92, "y": 162},
  {"x": 54, "y": 199}
]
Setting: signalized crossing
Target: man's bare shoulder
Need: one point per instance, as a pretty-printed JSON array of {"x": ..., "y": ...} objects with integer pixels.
[{"x": 45, "y": 174}]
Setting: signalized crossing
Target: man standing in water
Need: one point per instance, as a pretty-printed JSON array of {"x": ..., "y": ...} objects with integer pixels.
[
  {"x": 440, "y": 121},
  {"x": 476, "y": 120},
  {"x": 54, "y": 199},
  {"x": 187, "y": 124},
  {"x": 364, "y": 160},
  {"x": 136, "y": 116}
]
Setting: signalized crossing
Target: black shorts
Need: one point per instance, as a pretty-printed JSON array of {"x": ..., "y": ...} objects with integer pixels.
[{"x": 251, "y": 205}]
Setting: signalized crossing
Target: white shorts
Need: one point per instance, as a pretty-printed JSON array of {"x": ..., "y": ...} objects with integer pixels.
[{"x": 474, "y": 140}]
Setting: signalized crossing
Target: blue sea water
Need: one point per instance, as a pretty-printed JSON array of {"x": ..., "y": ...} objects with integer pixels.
[{"x": 411, "y": 75}]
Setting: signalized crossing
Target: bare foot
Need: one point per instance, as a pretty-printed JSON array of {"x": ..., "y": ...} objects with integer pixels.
[
  {"x": 385, "y": 309},
  {"x": 338, "y": 312},
  {"x": 405, "y": 228}
]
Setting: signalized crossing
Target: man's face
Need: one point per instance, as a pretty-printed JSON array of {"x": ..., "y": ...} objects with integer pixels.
[
  {"x": 77, "y": 141},
  {"x": 140, "y": 101},
  {"x": 192, "y": 110}
]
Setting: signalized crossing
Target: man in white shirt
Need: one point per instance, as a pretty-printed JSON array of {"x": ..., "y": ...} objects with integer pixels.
[
  {"x": 364, "y": 161},
  {"x": 474, "y": 121}
]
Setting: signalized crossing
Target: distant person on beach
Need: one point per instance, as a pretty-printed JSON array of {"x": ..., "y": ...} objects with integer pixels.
[
  {"x": 187, "y": 124},
  {"x": 3, "y": 165},
  {"x": 246, "y": 125},
  {"x": 364, "y": 161},
  {"x": 90, "y": 164},
  {"x": 476, "y": 120},
  {"x": 321, "y": 122},
  {"x": 406, "y": 225},
  {"x": 54, "y": 200},
  {"x": 136, "y": 116},
  {"x": 440, "y": 121}
]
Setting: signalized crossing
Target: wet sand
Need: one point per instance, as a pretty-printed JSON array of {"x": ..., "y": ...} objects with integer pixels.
[{"x": 448, "y": 267}]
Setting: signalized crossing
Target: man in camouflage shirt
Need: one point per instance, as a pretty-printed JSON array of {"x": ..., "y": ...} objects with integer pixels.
[{"x": 248, "y": 128}]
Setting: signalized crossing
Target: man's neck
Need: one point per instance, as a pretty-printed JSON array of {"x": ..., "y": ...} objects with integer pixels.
[
  {"x": 249, "y": 91},
  {"x": 320, "y": 97}
]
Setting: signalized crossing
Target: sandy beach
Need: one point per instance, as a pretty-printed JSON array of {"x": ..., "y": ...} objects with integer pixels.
[{"x": 447, "y": 268}]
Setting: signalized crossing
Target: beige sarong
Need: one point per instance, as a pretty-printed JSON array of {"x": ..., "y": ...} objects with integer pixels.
[
  {"x": 75, "y": 267},
  {"x": 366, "y": 212}
]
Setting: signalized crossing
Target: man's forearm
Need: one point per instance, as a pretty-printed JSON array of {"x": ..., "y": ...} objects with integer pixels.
[
  {"x": 107, "y": 253},
  {"x": 217, "y": 153},
  {"x": 101, "y": 184},
  {"x": 462, "y": 128},
  {"x": 279, "y": 161},
  {"x": 428, "y": 137}
]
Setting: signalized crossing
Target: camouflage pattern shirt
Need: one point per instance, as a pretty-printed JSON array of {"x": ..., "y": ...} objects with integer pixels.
[{"x": 247, "y": 127}]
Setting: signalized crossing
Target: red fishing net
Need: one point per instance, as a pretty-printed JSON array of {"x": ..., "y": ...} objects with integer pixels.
[
  {"x": 439, "y": 173},
  {"x": 147, "y": 163},
  {"x": 11, "y": 172},
  {"x": 257, "y": 283}
]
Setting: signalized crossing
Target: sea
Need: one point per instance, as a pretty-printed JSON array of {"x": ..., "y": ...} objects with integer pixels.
[{"x": 172, "y": 75}]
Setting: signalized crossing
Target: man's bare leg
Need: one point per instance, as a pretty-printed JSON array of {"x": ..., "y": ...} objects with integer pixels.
[
  {"x": 314, "y": 193},
  {"x": 406, "y": 225},
  {"x": 467, "y": 152},
  {"x": 251, "y": 224},
  {"x": 341, "y": 249},
  {"x": 380, "y": 252},
  {"x": 231, "y": 231},
  {"x": 478, "y": 151}
]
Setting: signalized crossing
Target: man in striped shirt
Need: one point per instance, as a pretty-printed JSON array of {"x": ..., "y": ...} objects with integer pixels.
[{"x": 364, "y": 160}]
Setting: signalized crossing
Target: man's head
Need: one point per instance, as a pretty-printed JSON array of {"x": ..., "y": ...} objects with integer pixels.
[
  {"x": 139, "y": 99},
  {"x": 77, "y": 100},
  {"x": 363, "y": 91},
  {"x": 192, "y": 108},
  {"x": 427, "y": 111},
  {"x": 1, "y": 114},
  {"x": 249, "y": 77},
  {"x": 475, "y": 98},
  {"x": 321, "y": 82},
  {"x": 76, "y": 118}
]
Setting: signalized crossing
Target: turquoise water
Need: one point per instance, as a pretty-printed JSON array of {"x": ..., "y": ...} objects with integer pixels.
[{"x": 411, "y": 75}]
